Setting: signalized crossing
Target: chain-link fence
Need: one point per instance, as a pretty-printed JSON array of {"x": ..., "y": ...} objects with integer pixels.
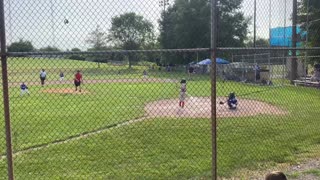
[{"x": 127, "y": 89}]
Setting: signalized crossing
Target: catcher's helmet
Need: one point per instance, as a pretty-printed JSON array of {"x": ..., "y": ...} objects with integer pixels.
[
  {"x": 232, "y": 95},
  {"x": 183, "y": 81}
]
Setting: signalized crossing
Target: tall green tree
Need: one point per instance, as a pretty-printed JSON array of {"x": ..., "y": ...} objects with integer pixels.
[
  {"x": 309, "y": 19},
  {"x": 130, "y": 31},
  {"x": 97, "y": 39},
  {"x": 186, "y": 24},
  {"x": 21, "y": 46}
]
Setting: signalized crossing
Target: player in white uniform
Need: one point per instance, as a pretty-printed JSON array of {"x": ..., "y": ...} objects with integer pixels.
[
  {"x": 145, "y": 74},
  {"x": 43, "y": 76},
  {"x": 183, "y": 92}
]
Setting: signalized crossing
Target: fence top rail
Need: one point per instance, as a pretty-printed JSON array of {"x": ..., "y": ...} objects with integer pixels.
[
  {"x": 300, "y": 57},
  {"x": 246, "y": 55},
  {"x": 159, "y": 51},
  {"x": 266, "y": 49},
  {"x": 52, "y": 53}
]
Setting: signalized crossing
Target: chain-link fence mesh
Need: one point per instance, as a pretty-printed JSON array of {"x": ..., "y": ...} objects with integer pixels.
[{"x": 122, "y": 89}]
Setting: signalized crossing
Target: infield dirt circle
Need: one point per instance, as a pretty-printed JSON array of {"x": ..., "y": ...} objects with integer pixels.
[
  {"x": 197, "y": 107},
  {"x": 200, "y": 107}
]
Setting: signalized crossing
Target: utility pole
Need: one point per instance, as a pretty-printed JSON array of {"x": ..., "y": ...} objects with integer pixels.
[
  {"x": 52, "y": 23},
  {"x": 285, "y": 24},
  {"x": 213, "y": 42},
  {"x": 5, "y": 87},
  {"x": 255, "y": 23},
  {"x": 164, "y": 3},
  {"x": 294, "y": 64},
  {"x": 270, "y": 17},
  {"x": 307, "y": 40}
]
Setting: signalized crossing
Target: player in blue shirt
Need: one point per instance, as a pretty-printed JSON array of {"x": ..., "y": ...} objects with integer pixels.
[
  {"x": 232, "y": 101},
  {"x": 24, "y": 89}
]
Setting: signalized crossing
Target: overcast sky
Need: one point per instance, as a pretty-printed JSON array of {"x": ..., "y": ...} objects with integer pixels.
[
  {"x": 281, "y": 11},
  {"x": 42, "y": 21}
]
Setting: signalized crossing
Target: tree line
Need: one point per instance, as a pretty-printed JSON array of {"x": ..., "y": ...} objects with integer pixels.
[
  {"x": 309, "y": 20},
  {"x": 185, "y": 24}
]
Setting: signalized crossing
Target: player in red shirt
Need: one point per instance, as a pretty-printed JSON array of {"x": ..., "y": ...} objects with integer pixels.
[{"x": 78, "y": 80}]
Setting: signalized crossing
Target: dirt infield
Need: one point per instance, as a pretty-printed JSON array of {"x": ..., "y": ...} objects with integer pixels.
[
  {"x": 65, "y": 91},
  {"x": 199, "y": 107}
]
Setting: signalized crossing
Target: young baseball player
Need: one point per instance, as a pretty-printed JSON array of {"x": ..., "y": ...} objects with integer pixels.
[
  {"x": 24, "y": 89},
  {"x": 145, "y": 74},
  {"x": 276, "y": 175},
  {"x": 183, "y": 91},
  {"x": 232, "y": 101},
  {"x": 61, "y": 75},
  {"x": 78, "y": 80},
  {"x": 43, "y": 76}
]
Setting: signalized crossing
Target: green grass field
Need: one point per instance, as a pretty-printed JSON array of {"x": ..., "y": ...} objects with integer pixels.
[{"x": 157, "y": 148}]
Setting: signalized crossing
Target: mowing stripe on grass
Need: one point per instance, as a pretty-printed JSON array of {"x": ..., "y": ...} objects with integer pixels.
[
  {"x": 76, "y": 137},
  {"x": 97, "y": 81}
]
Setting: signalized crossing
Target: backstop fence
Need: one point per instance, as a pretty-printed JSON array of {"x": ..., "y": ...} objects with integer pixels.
[{"x": 168, "y": 89}]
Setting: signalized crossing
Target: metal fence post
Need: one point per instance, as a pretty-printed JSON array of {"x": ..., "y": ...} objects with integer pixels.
[
  {"x": 306, "y": 43},
  {"x": 294, "y": 64},
  {"x": 270, "y": 68},
  {"x": 284, "y": 66},
  {"x": 214, "y": 13},
  {"x": 254, "y": 23},
  {"x": 6, "y": 91}
]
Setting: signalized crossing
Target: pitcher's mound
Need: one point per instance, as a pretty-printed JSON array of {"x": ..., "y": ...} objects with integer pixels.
[
  {"x": 200, "y": 107},
  {"x": 65, "y": 91}
]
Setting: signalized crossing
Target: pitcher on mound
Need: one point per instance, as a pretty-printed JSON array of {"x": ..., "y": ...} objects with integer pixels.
[{"x": 78, "y": 80}]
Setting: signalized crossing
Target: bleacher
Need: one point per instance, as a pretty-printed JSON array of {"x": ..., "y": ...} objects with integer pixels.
[{"x": 306, "y": 81}]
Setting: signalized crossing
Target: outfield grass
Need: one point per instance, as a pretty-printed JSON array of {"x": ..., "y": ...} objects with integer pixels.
[
  {"x": 28, "y": 69},
  {"x": 315, "y": 172},
  {"x": 160, "y": 148},
  {"x": 42, "y": 118}
]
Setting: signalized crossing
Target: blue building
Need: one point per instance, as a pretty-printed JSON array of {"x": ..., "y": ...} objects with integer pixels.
[{"x": 282, "y": 36}]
